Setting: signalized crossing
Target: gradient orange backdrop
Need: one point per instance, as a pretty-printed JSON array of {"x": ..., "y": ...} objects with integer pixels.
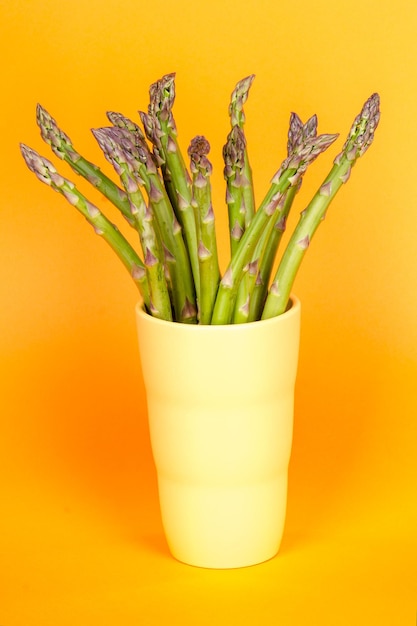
[{"x": 81, "y": 541}]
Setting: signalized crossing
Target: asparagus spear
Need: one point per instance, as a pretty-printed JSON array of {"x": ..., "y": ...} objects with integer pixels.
[
  {"x": 201, "y": 169},
  {"x": 254, "y": 272},
  {"x": 359, "y": 139},
  {"x": 266, "y": 251},
  {"x": 270, "y": 240},
  {"x": 237, "y": 118},
  {"x": 160, "y": 128},
  {"x": 108, "y": 141},
  {"x": 133, "y": 144},
  {"x": 46, "y": 172},
  {"x": 63, "y": 148},
  {"x": 234, "y": 159},
  {"x": 287, "y": 176}
]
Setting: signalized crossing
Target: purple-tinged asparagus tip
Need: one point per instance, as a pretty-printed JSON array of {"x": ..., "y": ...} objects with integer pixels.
[
  {"x": 117, "y": 146},
  {"x": 148, "y": 124},
  {"x": 120, "y": 121},
  {"x": 299, "y": 132},
  {"x": 295, "y": 131},
  {"x": 238, "y": 98},
  {"x": 362, "y": 131},
  {"x": 59, "y": 142},
  {"x": 162, "y": 97},
  {"x": 371, "y": 115},
  {"x": 41, "y": 167},
  {"x": 310, "y": 127},
  {"x": 199, "y": 147},
  {"x": 198, "y": 150},
  {"x": 234, "y": 151},
  {"x": 241, "y": 90}
]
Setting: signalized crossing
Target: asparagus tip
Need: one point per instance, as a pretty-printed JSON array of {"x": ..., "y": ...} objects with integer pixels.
[
  {"x": 199, "y": 146},
  {"x": 238, "y": 99},
  {"x": 299, "y": 132},
  {"x": 234, "y": 151},
  {"x": 40, "y": 166},
  {"x": 362, "y": 132},
  {"x": 198, "y": 150},
  {"x": 59, "y": 141},
  {"x": 162, "y": 96},
  {"x": 120, "y": 121},
  {"x": 241, "y": 90}
]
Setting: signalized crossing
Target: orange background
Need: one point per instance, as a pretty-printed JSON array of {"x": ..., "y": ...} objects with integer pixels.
[{"x": 80, "y": 534}]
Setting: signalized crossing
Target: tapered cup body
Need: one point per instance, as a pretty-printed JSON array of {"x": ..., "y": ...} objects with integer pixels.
[{"x": 220, "y": 407}]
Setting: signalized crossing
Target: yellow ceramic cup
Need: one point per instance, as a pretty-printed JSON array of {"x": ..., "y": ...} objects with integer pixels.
[{"x": 220, "y": 407}]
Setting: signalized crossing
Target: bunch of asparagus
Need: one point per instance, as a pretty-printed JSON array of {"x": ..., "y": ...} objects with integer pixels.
[{"x": 170, "y": 206}]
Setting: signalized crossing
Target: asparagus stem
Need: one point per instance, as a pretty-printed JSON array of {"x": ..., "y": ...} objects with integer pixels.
[
  {"x": 253, "y": 287},
  {"x": 288, "y": 175},
  {"x": 359, "y": 139},
  {"x": 151, "y": 246},
  {"x": 160, "y": 128},
  {"x": 46, "y": 172},
  {"x": 201, "y": 169},
  {"x": 63, "y": 148},
  {"x": 133, "y": 143},
  {"x": 243, "y": 302},
  {"x": 237, "y": 118},
  {"x": 267, "y": 247},
  {"x": 234, "y": 155}
]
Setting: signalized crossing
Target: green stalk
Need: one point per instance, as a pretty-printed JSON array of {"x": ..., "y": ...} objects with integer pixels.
[
  {"x": 159, "y": 125},
  {"x": 46, "y": 172},
  {"x": 243, "y": 303},
  {"x": 237, "y": 118},
  {"x": 268, "y": 246},
  {"x": 287, "y": 176},
  {"x": 266, "y": 250},
  {"x": 63, "y": 148},
  {"x": 149, "y": 239},
  {"x": 177, "y": 261},
  {"x": 250, "y": 294},
  {"x": 201, "y": 169},
  {"x": 358, "y": 141}
]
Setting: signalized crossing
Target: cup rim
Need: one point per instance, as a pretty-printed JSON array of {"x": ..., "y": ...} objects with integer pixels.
[{"x": 292, "y": 310}]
